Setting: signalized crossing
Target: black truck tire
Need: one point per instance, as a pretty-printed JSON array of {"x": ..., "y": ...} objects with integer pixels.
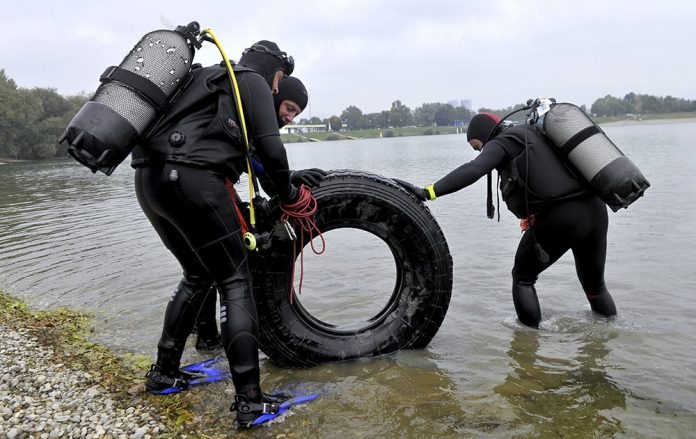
[{"x": 291, "y": 337}]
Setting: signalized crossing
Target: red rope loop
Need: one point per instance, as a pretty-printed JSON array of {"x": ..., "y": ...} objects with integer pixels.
[{"x": 301, "y": 214}]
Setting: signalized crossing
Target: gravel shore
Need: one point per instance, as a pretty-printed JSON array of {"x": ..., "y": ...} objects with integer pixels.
[{"x": 42, "y": 399}]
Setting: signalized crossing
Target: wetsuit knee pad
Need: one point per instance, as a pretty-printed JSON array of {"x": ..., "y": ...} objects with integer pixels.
[{"x": 524, "y": 297}]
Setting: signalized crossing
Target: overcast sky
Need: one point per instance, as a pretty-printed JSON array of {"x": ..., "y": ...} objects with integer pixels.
[{"x": 369, "y": 53}]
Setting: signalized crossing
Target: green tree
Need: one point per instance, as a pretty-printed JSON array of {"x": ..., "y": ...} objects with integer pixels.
[
  {"x": 32, "y": 119},
  {"x": 400, "y": 115},
  {"x": 353, "y": 118},
  {"x": 463, "y": 114},
  {"x": 650, "y": 104},
  {"x": 335, "y": 123},
  {"x": 52, "y": 104},
  {"x": 424, "y": 116},
  {"x": 10, "y": 102},
  {"x": 609, "y": 106},
  {"x": 312, "y": 121},
  {"x": 375, "y": 120},
  {"x": 445, "y": 115}
]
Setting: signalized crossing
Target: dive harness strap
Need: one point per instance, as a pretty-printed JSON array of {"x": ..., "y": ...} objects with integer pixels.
[
  {"x": 144, "y": 87},
  {"x": 490, "y": 209},
  {"x": 578, "y": 138}
]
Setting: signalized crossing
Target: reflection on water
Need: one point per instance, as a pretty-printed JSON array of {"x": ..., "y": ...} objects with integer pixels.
[
  {"x": 71, "y": 238},
  {"x": 346, "y": 298},
  {"x": 569, "y": 396},
  {"x": 402, "y": 395}
]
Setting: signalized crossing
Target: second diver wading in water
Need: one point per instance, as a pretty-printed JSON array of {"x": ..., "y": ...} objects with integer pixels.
[{"x": 557, "y": 211}]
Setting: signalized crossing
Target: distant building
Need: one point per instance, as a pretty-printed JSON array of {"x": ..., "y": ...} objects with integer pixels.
[
  {"x": 299, "y": 129},
  {"x": 466, "y": 103}
]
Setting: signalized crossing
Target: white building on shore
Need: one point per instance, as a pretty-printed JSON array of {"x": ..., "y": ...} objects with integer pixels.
[{"x": 299, "y": 129}]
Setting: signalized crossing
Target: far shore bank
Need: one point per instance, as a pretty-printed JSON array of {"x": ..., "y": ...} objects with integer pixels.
[
  {"x": 5, "y": 161},
  {"x": 626, "y": 122},
  {"x": 433, "y": 131}
]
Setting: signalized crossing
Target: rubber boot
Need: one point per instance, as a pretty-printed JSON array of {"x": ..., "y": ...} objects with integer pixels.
[
  {"x": 526, "y": 303},
  {"x": 248, "y": 411},
  {"x": 239, "y": 329},
  {"x": 601, "y": 302},
  {"x": 179, "y": 318}
]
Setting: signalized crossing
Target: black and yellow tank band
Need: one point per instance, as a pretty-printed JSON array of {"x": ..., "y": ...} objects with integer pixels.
[{"x": 431, "y": 191}]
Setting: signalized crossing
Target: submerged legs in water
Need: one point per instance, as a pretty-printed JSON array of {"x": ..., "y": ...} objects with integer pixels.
[
  {"x": 526, "y": 303},
  {"x": 601, "y": 302}
]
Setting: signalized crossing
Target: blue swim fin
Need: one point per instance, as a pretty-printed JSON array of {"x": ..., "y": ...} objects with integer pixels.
[
  {"x": 284, "y": 407},
  {"x": 203, "y": 372}
]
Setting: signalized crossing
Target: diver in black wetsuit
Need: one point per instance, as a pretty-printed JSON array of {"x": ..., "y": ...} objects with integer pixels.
[
  {"x": 290, "y": 90},
  {"x": 557, "y": 212},
  {"x": 180, "y": 177}
]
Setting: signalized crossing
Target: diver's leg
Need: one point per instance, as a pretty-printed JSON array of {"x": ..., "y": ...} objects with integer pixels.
[
  {"x": 160, "y": 201},
  {"x": 590, "y": 254},
  {"x": 539, "y": 248},
  {"x": 221, "y": 250},
  {"x": 206, "y": 327}
]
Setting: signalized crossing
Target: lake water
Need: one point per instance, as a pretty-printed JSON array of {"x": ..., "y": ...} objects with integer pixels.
[{"x": 71, "y": 238}]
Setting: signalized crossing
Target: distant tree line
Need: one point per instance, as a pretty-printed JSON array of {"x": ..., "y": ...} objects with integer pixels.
[
  {"x": 438, "y": 114},
  {"x": 399, "y": 115},
  {"x": 641, "y": 105},
  {"x": 32, "y": 119}
]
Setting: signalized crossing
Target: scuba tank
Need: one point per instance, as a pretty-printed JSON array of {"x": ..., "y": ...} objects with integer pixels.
[
  {"x": 579, "y": 141},
  {"x": 131, "y": 96}
]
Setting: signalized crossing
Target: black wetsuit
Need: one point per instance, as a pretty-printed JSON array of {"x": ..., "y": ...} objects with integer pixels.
[
  {"x": 180, "y": 184},
  {"x": 566, "y": 215}
]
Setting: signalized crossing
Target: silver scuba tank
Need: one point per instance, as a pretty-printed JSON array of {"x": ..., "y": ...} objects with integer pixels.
[
  {"x": 612, "y": 175},
  {"x": 131, "y": 96}
]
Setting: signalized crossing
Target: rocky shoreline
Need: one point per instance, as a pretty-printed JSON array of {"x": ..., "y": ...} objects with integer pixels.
[{"x": 42, "y": 399}]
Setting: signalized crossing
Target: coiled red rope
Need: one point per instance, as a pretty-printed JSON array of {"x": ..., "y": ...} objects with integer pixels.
[{"x": 301, "y": 214}]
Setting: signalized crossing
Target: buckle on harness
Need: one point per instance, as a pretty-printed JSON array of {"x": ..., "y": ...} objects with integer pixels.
[
  {"x": 159, "y": 378},
  {"x": 260, "y": 408}
]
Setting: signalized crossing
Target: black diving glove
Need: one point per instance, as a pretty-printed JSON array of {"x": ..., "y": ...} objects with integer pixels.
[
  {"x": 290, "y": 196},
  {"x": 309, "y": 177},
  {"x": 420, "y": 193}
]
